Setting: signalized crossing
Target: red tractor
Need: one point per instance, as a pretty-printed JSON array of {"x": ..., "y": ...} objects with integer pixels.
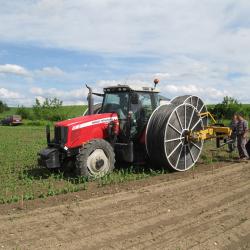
[{"x": 132, "y": 125}]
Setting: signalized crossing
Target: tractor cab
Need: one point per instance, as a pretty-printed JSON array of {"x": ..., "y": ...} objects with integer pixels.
[{"x": 133, "y": 107}]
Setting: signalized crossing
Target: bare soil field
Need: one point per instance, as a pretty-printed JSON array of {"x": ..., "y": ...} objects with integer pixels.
[{"x": 205, "y": 209}]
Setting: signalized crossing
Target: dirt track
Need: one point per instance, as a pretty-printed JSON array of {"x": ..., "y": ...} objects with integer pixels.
[{"x": 211, "y": 211}]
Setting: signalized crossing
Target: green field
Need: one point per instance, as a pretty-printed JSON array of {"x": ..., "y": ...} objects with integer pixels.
[
  {"x": 20, "y": 178},
  {"x": 71, "y": 111}
]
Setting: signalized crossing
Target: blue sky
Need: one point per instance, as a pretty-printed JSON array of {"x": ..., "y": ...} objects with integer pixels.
[{"x": 52, "y": 47}]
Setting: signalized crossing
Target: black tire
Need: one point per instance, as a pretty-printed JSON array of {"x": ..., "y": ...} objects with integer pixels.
[{"x": 96, "y": 159}]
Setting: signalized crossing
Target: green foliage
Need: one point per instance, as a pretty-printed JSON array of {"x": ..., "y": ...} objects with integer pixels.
[
  {"x": 3, "y": 107},
  {"x": 20, "y": 178},
  {"x": 50, "y": 110},
  {"x": 228, "y": 107},
  {"x": 227, "y": 100},
  {"x": 30, "y": 119},
  {"x": 24, "y": 112}
]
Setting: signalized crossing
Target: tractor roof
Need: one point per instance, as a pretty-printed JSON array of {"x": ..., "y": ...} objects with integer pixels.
[{"x": 127, "y": 88}]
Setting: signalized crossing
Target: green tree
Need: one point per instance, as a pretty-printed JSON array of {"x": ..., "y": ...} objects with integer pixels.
[
  {"x": 227, "y": 101},
  {"x": 24, "y": 112},
  {"x": 51, "y": 109},
  {"x": 228, "y": 107},
  {"x": 3, "y": 107}
]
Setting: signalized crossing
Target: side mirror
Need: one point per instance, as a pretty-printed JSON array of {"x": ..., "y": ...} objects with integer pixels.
[{"x": 135, "y": 98}]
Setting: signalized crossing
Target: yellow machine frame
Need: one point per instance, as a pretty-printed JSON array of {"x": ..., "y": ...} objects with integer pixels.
[{"x": 212, "y": 131}]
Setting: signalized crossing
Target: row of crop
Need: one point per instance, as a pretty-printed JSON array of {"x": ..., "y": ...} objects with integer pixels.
[{"x": 56, "y": 184}]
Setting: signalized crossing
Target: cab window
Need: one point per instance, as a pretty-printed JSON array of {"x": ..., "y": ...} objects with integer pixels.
[{"x": 116, "y": 102}]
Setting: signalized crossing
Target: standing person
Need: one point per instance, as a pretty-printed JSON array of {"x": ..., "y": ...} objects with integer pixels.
[
  {"x": 242, "y": 133},
  {"x": 233, "y": 126}
]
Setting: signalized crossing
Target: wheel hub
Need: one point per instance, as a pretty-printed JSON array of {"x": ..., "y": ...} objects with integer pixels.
[
  {"x": 98, "y": 163},
  {"x": 185, "y": 135}
]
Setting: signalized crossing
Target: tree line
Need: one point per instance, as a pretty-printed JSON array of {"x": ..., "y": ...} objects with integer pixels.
[
  {"x": 3, "y": 107},
  {"x": 228, "y": 107},
  {"x": 52, "y": 109}
]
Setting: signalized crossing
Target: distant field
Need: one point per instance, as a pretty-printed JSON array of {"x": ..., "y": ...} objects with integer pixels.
[{"x": 71, "y": 111}]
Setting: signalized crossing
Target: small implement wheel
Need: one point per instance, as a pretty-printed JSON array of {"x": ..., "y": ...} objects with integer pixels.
[{"x": 96, "y": 159}]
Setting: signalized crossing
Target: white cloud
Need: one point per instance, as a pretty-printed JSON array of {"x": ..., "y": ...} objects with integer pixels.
[
  {"x": 198, "y": 43},
  {"x": 208, "y": 93},
  {"x": 41, "y": 99},
  {"x": 50, "y": 72},
  {"x": 13, "y": 69},
  {"x": 163, "y": 27},
  {"x": 36, "y": 91},
  {"x": 8, "y": 94},
  {"x": 131, "y": 82},
  {"x": 21, "y": 71},
  {"x": 73, "y": 95},
  {"x": 162, "y": 75}
]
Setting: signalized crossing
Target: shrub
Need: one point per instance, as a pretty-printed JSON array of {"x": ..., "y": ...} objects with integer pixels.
[
  {"x": 50, "y": 109},
  {"x": 228, "y": 107},
  {"x": 24, "y": 112},
  {"x": 3, "y": 107}
]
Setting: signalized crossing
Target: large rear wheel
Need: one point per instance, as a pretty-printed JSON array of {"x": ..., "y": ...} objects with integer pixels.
[{"x": 96, "y": 159}]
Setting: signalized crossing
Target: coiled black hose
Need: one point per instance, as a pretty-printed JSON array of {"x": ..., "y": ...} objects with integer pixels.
[{"x": 167, "y": 137}]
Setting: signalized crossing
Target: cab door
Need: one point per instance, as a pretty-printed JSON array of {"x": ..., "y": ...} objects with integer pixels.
[{"x": 141, "y": 112}]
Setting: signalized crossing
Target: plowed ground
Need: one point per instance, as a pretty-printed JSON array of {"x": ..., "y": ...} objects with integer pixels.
[{"x": 208, "y": 210}]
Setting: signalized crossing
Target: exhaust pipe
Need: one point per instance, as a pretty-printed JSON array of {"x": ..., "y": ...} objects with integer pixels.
[
  {"x": 90, "y": 101},
  {"x": 48, "y": 134}
]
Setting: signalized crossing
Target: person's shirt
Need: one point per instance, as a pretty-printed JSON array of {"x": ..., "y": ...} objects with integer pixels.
[
  {"x": 242, "y": 127},
  {"x": 233, "y": 125}
]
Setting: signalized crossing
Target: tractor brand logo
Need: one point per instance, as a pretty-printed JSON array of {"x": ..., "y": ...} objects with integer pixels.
[{"x": 91, "y": 123}]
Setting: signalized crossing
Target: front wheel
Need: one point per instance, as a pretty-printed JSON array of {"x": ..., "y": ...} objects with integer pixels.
[{"x": 96, "y": 159}]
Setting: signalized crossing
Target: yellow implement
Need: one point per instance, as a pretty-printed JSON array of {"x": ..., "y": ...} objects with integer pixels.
[{"x": 212, "y": 131}]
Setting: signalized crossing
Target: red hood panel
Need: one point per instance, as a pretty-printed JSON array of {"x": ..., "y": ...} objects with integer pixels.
[
  {"x": 86, "y": 119},
  {"x": 85, "y": 128}
]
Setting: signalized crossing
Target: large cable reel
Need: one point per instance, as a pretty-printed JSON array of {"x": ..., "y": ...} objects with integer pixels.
[
  {"x": 196, "y": 101},
  {"x": 167, "y": 136}
]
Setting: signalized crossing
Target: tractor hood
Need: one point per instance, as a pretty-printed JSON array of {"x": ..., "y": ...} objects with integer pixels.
[
  {"x": 84, "y": 128},
  {"x": 87, "y": 120}
]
